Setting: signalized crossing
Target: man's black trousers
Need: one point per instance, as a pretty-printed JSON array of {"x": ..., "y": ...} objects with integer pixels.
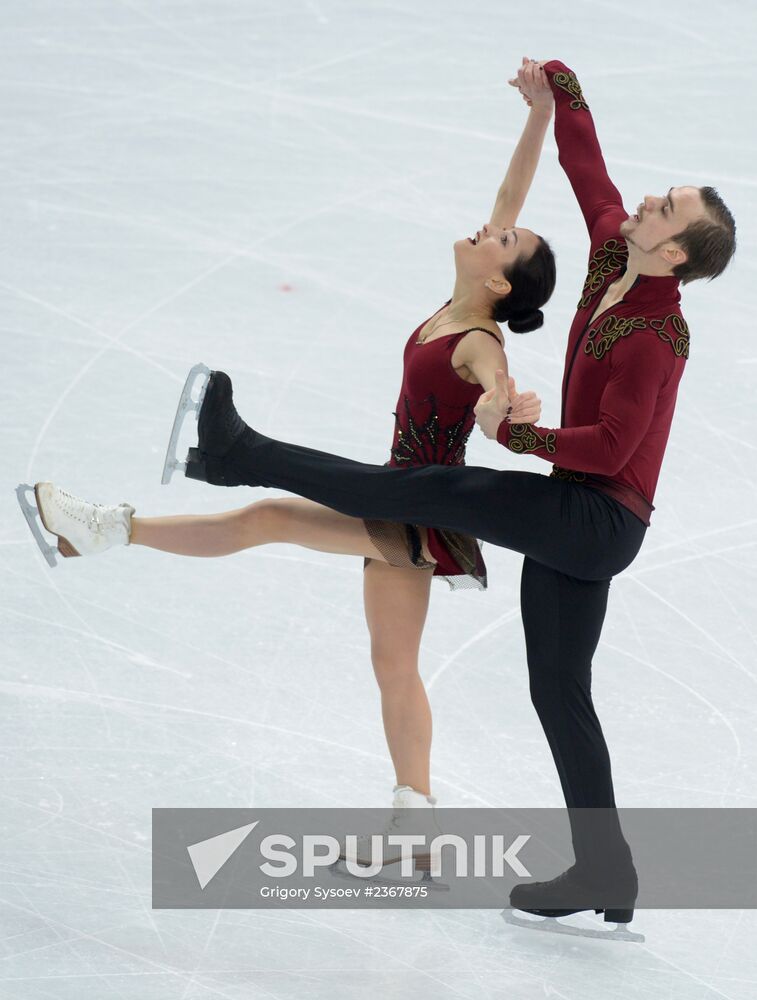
[{"x": 574, "y": 539}]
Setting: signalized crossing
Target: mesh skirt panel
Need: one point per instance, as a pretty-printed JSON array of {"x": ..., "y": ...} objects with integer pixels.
[
  {"x": 459, "y": 559},
  {"x": 458, "y": 556},
  {"x": 399, "y": 544}
]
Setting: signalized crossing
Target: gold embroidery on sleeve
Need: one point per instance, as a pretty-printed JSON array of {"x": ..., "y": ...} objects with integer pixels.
[
  {"x": 568, "y": 81},
  {"x": 525, "y": 438}
]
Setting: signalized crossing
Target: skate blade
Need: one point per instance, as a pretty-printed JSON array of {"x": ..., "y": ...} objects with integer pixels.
[
  {"x": 32, "y": 514},
  {"x": 187, "y": 404},
  {"x": 553, "y": 926},
  {"x": 339, "y": 870}
]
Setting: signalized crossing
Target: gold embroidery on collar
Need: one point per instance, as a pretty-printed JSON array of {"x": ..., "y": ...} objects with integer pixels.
[
  {"x": 607, "y": 259},
  {"x": 601, "y": 338},
  {"x": 678, "y": 337},
  {"x": 525, "y": 437},
  {"x": 568, "y": 81}
]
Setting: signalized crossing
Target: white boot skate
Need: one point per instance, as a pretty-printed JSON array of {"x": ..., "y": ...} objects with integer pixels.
[
  {"x": 82, "y": 528},
  {"x": 412, "y": 813}
]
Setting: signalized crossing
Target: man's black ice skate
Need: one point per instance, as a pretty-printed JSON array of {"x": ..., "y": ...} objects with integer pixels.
[
  {"x": 573, "y": 892},
  {"x": 219, "y": 429}
]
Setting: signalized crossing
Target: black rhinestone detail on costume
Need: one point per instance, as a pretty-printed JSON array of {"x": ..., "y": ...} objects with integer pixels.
[{"x": 427, "y": 443}]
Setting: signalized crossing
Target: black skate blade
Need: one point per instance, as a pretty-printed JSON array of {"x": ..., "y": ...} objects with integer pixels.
[
  {"x": 31, "y": 514},
  {"x": 551, "y": 925},
  {"x": 338, "y": 870},
  {"x": 187, "y": 404}
]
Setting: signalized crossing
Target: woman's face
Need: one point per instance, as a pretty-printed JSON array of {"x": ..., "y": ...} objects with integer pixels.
[{"x": 492, "y": 249}]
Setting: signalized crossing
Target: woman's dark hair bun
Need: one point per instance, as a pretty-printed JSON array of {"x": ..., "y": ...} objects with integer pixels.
[
  {"x": 524, "y": 324},
  {"x": 532, "y": 281}
]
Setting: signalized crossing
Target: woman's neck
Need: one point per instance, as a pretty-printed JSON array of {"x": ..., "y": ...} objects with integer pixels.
[{"x": 465, "y": 306}]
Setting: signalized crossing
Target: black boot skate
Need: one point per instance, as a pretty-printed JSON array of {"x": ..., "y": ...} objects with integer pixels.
[
  {"x": 573, "y": 892},
  {"x": 219, "y": 428}
]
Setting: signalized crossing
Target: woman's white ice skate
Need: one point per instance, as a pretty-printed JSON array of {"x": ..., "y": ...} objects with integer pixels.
[
  {"x": 82, "y": 528},
  {"x": 412, "y": 813}
]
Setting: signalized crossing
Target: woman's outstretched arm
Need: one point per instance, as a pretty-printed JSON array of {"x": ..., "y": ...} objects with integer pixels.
[
  {"x": 514, "y": 188},
  {"x": 485, "y": 358}
]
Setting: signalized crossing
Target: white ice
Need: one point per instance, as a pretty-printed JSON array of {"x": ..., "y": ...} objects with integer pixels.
[{"x": 274, "y": 188}]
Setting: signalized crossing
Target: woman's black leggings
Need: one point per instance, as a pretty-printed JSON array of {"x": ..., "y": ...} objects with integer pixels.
[{"x": 574, "y": 539}]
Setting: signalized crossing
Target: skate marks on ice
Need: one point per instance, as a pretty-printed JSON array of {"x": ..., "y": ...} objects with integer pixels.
[
  {"x": 551, "y": 925},
  {"x": 187, "y": 404}
]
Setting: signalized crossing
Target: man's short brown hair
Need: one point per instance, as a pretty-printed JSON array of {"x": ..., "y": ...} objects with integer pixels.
[{"x": 709, "y": 242}]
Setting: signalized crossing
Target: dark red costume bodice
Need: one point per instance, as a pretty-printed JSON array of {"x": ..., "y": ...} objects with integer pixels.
[
  {"x": 434, "y": 415},
  {"x": 433, "y": 421}
]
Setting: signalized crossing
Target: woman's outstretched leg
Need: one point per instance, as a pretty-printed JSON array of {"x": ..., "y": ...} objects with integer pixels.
[
  {"x": 85, "y": 528},
  {"x": 285, "y": 520},
  {"x": 396, "y": 603}
]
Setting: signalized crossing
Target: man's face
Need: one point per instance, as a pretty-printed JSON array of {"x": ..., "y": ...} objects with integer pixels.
[{"x": 659, "y": 218}]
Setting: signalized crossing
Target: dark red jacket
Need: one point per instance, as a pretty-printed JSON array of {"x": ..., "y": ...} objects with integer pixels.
[{"x": 621, "y": 372}]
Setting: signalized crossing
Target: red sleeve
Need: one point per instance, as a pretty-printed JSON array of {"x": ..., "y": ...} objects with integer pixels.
[
  {"x": 579, "y": 151},
  {"x": 639, "y": 368}
]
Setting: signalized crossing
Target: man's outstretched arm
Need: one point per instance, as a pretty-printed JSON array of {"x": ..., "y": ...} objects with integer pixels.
[
  {"x": 578, "y": 148},
  {"x": 639, "y": 369}
]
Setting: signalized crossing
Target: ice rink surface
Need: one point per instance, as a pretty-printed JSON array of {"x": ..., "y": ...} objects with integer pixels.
[{"x": 274, "y": 188}]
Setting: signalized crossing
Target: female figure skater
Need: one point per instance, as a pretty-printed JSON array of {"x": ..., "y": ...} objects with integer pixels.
[{"x": 504, "y": 274}]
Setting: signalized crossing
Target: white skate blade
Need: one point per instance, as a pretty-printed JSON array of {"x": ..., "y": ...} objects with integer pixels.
[
  {"x": 553, "y": 926},
  {"x": 33, "y": 519},
  {"x": 339, "y": 870},
  {"x": 187, "y": 404}
]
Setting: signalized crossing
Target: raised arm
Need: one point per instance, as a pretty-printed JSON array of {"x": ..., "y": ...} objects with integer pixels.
[
  {"x": 514, "y": 188},
  {"x": 579, "y": 150}
]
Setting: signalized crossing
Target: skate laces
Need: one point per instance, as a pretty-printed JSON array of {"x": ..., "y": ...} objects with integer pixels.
[
  {"x": 102, "y": 517},
  {"x": 364, "y": 839},
  {"x": 70, "y": 505}
]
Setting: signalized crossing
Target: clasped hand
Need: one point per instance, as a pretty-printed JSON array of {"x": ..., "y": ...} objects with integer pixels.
[
  {"x": 504, "y": 402},
  {"x": 532, "y": 82}
]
